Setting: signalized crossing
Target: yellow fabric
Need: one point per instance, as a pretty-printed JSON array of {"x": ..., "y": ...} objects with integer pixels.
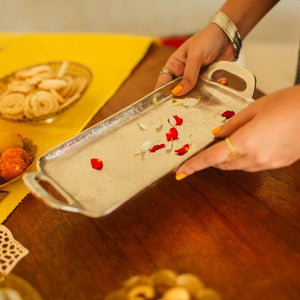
[
  {"x": 111, "y": 59},
  {"x": 5, "y": 38}
]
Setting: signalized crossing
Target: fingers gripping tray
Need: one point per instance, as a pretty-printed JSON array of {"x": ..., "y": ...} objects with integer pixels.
[{"x": 135, "y": 144}]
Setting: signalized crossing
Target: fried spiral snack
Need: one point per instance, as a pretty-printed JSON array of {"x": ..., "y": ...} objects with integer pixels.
[
  {"x": 36, "y": 79},
  {"x": 19, "y": 86},
  {"x": 42, "y": 91},
  {"x": 55, "y": 84},
  {"x": 12, "y": 105},
  {"x": 41, "y": 103},
  {"x": 32, "y": 71}
]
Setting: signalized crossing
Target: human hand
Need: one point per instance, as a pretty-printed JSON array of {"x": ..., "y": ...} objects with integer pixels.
[
  {"x": 266, "y": 135},
  {"x": 209, "y": 45}
]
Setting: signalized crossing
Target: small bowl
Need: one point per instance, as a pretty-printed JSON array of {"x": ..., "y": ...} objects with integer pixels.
[
  {"x": 163, "y": 284},
  {"x": 20, "y": 286},
  {"x": 31, "y": 149}
]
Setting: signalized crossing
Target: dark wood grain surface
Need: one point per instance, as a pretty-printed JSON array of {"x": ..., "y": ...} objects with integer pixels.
[{"x": 239, "y": 232}]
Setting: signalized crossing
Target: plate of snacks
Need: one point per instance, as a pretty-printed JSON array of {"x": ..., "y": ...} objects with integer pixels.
[
  {"x": 17, "y": 154},
  {"x": 42, "y": 91}
]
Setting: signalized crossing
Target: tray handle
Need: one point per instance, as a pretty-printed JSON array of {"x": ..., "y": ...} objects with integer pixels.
[
  {"x": 236, "y": 70},
  {"x": 31, "y": 181}
]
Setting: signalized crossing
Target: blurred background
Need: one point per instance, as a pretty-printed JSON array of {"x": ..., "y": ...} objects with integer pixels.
[{"x": 269, "y": 51}]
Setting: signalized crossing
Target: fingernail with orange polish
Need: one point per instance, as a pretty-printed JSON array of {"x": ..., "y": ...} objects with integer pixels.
[
  {"x": 177, "y": 89},
  {"x": 180, "y": 176},
  {"x": 216, "y": 130},
  {"x": 223, "y": 80}
]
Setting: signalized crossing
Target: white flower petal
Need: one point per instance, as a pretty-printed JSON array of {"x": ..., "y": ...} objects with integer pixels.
[
  {"x": 172, "y": 121},
  {"x": 159, "y": 123},
  {"x": 146, "y": 146},
  {"x": 142, "y": 125},
  {"x": 190, "y": 102},
  {"x": 154, "y": 100},
  {"x": 177, "y": 101},
  {"x": 169, "y": 146}
]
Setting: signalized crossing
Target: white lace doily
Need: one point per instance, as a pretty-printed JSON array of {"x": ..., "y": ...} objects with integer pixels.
[{"x": 11, "y": 251}]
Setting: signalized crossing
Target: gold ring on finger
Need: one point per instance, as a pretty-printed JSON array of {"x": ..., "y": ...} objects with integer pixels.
[{"x": 233, "y": 153}]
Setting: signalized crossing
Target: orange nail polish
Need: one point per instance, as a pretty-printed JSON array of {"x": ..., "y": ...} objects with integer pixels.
[
  {"x": 180, "y": 176},
  {"x": 177, "y": 89},
  {"x": 216, "y": 130},
  {"x": 223, "y": 81}
]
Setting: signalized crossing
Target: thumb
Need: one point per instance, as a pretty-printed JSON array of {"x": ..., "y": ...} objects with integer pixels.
[
  {"x": 190, "y": 76},
  {"x": 236, "y": 122}
]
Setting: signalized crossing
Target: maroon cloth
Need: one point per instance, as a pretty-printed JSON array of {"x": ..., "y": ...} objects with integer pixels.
[{"x": 175, "y": 41}]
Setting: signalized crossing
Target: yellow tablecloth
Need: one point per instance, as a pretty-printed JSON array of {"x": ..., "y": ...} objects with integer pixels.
[{"x": 111, "y": 59}]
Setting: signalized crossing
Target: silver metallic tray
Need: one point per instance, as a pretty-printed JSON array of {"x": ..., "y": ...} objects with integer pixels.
[{"x": 117, "y": 140}]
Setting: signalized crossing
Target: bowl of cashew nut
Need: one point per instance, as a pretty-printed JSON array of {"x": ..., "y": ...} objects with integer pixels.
[{"x": 42, "y": 91}]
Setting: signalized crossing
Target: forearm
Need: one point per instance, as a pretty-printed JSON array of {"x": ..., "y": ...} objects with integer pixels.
[
  {"x": 215, "y": 42},
  {"x": 245, "y": 14}
]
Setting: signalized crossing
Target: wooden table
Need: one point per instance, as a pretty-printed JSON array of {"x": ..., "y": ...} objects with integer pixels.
[{"x": 239, "y": 232}]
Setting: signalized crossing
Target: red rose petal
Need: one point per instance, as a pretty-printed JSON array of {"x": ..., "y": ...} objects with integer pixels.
[
  {"x": 183, "y": 150},
  {"x": 177, "y": 119},
  {"x": 172, "y": 134},
  {"x": 228, "y": 114},
  {"x": 156, "y": 147},
  {"x": 96, "y": 163}
]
